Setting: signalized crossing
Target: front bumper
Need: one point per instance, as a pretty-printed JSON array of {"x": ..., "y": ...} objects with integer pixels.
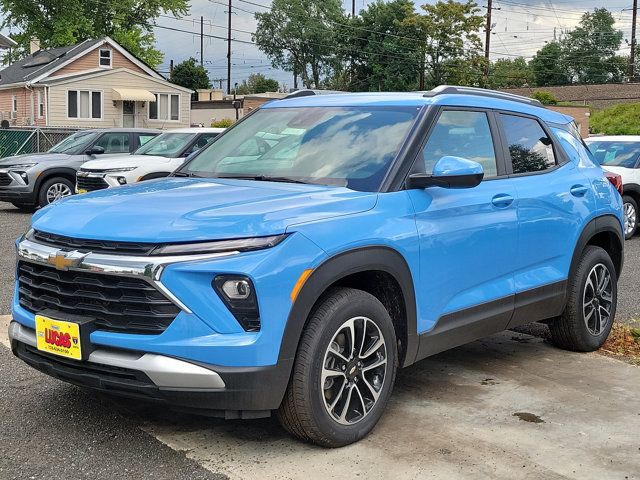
[
  {"x": 17, "y": 194},
  {"x": 206, "y": 389}
]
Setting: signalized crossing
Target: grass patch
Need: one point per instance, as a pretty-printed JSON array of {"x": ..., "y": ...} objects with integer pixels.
[{"x": 624, "y": 341}]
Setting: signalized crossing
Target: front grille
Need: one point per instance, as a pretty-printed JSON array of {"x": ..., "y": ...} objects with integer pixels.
[
  {"x": 95, "y": 246},
  {"x": 5, "y": 179},
  {"x": 118, "y": 304},
  {"x": 91, "y": 183}
]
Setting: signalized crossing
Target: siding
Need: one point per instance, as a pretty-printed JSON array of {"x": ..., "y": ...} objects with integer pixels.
[
  {"x": 112, "y": 111},
  {"x": 90, "y": 61},
  {"x": 27, "y": 106}
]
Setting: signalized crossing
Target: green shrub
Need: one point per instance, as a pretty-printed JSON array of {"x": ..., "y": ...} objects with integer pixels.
[
  {"x": 545, "y": 98},
  {"x": 623, "y": 119},
  {"x": 223, "y": 123}
]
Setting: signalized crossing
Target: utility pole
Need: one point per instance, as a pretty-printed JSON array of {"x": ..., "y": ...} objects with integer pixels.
[
  {"x": 170, "y": 67},
  {"x": 229, "y": 52},
  {"x": 632, "y": 58},
  {"x": 353, "y": 8},
  {"x": 487, "y": 41},
  {"x": 201, "y": 41}
]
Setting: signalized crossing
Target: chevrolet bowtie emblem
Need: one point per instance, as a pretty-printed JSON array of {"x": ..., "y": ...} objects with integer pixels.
[{"x": 66, "y": 260}]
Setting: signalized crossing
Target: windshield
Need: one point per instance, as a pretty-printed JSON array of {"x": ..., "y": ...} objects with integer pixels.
[
  {"x": 615, "y": 154},
  {"x": 74, "y": 144},
  {"x": 166, "y": 145},
  {"x": 346, "y": 146}
]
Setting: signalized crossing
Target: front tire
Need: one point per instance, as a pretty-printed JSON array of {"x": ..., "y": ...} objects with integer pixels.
[
  {"x": 591, "y": 307},
  {"x": 54, "y": 189},
  {"x": 344, "y": 370},
  {"x": 630, "y": 211}
]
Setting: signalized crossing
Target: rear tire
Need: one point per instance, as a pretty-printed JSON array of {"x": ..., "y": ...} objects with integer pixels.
[
  {"x": 630, "y": 211},
  {"x": 23, "y": 207},
  {"x": 54, "y": 189},
  {"x": 591, "y": 307},
  {"x": 339, "y": 388}
]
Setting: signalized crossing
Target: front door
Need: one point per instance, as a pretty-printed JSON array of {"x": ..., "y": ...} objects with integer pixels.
[
  {"x": 128, "y": 114},
  {"x": 468, "y": 237}
]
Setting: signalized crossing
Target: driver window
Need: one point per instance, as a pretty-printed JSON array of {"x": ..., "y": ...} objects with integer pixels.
[{"x": 465, "y": 134}]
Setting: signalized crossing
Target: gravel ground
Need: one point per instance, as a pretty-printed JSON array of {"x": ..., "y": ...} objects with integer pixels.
[{"x": 13, "y": 223}]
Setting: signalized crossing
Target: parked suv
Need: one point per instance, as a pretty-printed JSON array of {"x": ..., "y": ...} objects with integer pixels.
[
  {"x": 620, "y": 154},
  {"x": 156, "y": 159},
  {"x": 38, "y": 179},
  {"x": 317, "y": 246}
]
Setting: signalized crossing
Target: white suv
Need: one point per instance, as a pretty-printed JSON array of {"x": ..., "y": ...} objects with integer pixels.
[
  {"x": 155, "y": 159},
  {"x": 621, "y": 154}
]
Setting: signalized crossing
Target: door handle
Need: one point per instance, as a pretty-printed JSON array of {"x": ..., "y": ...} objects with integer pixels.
[
  {"x": 502, "y": 200},
  {"x": 578, "y": 190}
]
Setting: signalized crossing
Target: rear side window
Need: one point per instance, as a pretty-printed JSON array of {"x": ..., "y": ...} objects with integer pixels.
[
  {"x": 615, "y": 154},
  {"x": 463, "y": 134},
  {"x": 530, "y": 147}
]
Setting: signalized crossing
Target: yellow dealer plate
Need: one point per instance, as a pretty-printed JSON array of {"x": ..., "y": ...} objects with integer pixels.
[
  {"x": 82, "y": 190},
  {"x": 58, "y": 337}
]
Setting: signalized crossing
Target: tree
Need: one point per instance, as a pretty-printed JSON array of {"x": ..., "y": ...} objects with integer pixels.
[
  {"x": 623, "y": 119},
  {"x": 190, "y": 74},
  {"x": 299, "y": 36},
  {"x": 450, "y": 38},
  {"x": 548, "y": 66},
  {"x": 258, "y": 83},
  {"x": 380, "y": 49},
  {"x": 58, "y": 23},
  {"x": 510, "y": 73},
  {"x": 589, "y": 51}
]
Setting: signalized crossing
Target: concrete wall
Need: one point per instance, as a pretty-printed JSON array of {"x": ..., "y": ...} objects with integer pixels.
[{"x": 595, "y": 96}]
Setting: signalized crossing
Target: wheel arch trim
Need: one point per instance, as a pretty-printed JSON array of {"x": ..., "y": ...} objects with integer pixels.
[{"x": 339, "y": 266}]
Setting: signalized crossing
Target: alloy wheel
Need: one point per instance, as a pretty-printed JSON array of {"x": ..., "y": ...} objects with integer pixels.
[
  {"x": 57, "y": 191},
  {"x": 630, "y": 218},
  {"x": 354, "y": 370},
  {"x": 597, "y": 299}
]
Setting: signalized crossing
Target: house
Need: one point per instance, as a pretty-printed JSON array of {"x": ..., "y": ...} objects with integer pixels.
[{"x": 96, "y": 83}]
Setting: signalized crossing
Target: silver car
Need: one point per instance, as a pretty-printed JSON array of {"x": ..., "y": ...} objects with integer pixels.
[{"x": 38, "y": 179}]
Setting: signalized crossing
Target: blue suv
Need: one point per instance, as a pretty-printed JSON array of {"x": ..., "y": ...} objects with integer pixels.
[{"x": 316, "y": 247}]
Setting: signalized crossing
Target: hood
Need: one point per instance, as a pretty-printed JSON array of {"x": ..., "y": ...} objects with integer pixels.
[
  {"x": 190, "y": 209},
  {"x": 33, "y": 158},
  {"x": 124, "y": 162}
]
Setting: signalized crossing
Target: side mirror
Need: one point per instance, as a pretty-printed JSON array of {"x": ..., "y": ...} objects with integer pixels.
[
  {"x": 95, "y": 150},
  {"x": 449, "y": 172}
]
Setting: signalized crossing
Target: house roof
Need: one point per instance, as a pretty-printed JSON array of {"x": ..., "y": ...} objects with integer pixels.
[
  {"x": 41, "y": 62},
  {"x": 7, "y": 42}
]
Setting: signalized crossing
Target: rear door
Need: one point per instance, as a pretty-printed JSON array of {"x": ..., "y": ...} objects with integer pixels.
[
  {"x": 554, "y": 199},
  {"x": 468, "y": 237}
]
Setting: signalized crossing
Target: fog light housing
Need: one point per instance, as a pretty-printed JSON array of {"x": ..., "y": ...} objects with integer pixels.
[
  {"x": 239, "y": 296},
  {"x": 24, "y": 177},
  {"x": 121, "y": 180}
]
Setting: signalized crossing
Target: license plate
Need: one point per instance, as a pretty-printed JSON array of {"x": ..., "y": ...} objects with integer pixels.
[
  {"x": 58, "y": 337},
  {"x": 82, "y": 190}
]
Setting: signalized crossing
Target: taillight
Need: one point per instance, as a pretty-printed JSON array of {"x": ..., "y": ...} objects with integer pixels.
[{"x": 616, "y": 180}]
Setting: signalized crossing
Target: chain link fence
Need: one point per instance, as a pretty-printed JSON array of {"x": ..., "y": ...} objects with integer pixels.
[{"x": 19, "y": 140}]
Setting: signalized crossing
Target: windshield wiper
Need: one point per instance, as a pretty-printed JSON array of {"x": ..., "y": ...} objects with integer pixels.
[
  {"x": 265, "y": 178},
  {"x": 186, "y": 174}
]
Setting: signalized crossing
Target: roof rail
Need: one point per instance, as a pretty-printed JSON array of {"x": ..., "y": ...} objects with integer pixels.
[
  {"x": 308, "y": 92},
  {"x": 481, "y": 92}
]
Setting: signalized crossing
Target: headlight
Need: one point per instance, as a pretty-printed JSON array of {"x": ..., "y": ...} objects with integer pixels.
[
  {"x": 219, "y": 246},
  {"x": 21, "y": 166},
  {"x": 115, "y": 170}
]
